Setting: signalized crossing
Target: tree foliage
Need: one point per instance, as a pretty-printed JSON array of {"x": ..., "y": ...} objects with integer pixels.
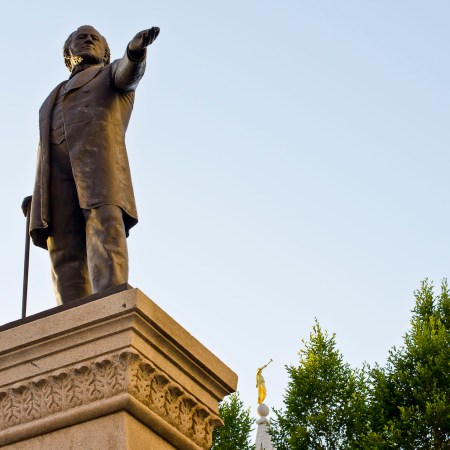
[
  {"x": 403, "y": 405},
  {"x": 235, "y": 434},
  {"x": 324, "y": 402},
  {"x": 410, "y": 396}
]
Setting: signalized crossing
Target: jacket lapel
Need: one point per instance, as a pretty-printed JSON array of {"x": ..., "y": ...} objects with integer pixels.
[{"x": 80, "y": 79}]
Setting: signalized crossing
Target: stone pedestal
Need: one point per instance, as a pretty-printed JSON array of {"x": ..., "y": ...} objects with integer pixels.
[{"x": 110, "y": 373}]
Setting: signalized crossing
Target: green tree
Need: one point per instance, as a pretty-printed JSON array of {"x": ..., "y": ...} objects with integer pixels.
[
  {"x": 235, "y": 434},
  {"x": 404, "y": 404},
  {"x": 410, "y": 396},
  {"x": 325, "y": 402}
]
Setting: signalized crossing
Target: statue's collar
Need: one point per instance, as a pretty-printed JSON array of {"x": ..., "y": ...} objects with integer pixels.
[
  {"x": 82, "y": 67},
  {"x": 81, "y": 78}
]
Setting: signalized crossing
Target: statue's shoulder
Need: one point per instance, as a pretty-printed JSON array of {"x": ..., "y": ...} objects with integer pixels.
[{"x": 113, "y": 64}]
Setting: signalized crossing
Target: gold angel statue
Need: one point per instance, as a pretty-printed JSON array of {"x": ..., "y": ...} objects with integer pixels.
[{"x": 261, "y": 384}]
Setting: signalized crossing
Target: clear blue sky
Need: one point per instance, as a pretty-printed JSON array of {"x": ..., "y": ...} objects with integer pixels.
[{"x": 290, "y": 161}]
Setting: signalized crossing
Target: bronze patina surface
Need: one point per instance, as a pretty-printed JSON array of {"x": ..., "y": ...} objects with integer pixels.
[{"x": 83, "y": 203}]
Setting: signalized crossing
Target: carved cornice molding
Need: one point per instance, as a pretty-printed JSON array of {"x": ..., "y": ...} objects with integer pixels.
[{"x": 93, "y": 381}]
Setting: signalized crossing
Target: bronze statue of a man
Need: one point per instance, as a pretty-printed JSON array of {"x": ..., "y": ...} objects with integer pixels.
[{"x": 83, "y": 203}]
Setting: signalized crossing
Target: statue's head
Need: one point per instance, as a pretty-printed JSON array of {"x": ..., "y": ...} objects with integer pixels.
[{"x": 86, "y": 45}]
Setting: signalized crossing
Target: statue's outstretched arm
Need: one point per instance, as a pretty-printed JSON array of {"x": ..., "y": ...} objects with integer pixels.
[
  {"x": 141, "y": 41},
  {"x": 131, "y": 67}
]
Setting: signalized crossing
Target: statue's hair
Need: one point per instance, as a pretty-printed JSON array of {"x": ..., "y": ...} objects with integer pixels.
[{"x": 68, "y": 59}]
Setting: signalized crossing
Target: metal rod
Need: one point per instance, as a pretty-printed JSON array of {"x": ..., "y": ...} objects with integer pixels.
[{"x": 26, "y": 264}]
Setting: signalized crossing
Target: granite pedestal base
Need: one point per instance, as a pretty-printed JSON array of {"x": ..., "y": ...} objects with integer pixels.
[{"x": 110, "y": 373}]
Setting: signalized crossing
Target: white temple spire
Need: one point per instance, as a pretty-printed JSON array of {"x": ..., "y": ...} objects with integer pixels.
[{"x": 263, "y": 440}]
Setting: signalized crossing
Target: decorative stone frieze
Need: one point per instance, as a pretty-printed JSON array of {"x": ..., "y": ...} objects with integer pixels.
[{"x": 125, "y": 372}]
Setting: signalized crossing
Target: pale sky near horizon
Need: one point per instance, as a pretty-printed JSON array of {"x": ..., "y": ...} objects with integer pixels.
[{"x": 289, "y": 159}]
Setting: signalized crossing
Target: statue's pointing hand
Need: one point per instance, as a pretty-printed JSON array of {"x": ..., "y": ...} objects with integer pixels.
[{"x": 143, "y": 39}]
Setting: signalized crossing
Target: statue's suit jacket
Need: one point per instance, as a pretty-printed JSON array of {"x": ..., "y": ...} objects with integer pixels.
[{"x": 96, "y": 108}]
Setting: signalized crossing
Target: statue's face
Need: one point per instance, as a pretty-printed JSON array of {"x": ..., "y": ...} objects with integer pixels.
[{"x": 88, "y": 43}]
